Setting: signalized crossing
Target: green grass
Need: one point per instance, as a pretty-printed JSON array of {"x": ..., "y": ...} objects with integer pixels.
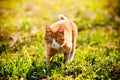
[{"x": 22, "y": 51}]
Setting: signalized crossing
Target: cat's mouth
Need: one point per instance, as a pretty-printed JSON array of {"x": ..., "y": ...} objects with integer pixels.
[{"x": 56, "y": 46}]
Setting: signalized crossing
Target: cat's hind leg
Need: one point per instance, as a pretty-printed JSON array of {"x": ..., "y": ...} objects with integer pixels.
[{"x": 71, "y": 56}]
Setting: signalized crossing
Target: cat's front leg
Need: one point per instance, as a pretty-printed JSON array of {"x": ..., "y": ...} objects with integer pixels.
[
  {"x": 49, "y": 56},
  {"x": 67, "y": 52},
  {"x": 67, "y": 55},
  {"x": 49, "y": 59}
]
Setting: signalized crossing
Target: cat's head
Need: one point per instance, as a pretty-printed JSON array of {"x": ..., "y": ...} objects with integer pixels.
[{"x": 54, "y": 39}]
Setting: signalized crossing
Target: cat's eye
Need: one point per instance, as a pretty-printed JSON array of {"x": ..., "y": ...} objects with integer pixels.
[
  {"x": 60, "y": 38},
  {"x": 48, "y": 38}
]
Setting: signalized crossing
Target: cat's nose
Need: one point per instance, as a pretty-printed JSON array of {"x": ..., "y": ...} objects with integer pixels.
[{"x": 53, "y": 44}]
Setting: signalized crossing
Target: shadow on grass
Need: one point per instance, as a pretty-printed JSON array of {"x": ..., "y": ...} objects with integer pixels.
[
  {"x": 37, "y": 72},
  {"x": 58, "y": 68}
]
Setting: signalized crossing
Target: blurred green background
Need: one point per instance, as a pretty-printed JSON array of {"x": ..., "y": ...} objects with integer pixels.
[{"x": 22, "y": 52}]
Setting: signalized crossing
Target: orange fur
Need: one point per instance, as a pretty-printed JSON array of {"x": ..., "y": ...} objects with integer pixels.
[{"x": 60, "y": 37}]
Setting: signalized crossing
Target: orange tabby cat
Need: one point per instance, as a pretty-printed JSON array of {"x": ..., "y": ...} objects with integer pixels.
[{"x": 60, "y": 37}]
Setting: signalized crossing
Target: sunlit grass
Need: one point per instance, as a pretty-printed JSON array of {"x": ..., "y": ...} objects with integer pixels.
[{"x": 22, "y": 51}]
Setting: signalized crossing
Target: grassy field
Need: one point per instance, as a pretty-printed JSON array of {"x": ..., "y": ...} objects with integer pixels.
[{"x": 22, "y": 51}]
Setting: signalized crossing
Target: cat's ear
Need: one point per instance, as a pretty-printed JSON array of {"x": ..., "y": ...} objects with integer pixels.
[
  {"x": 61, "y": 29},
  {"x": 47, "y": 28}
]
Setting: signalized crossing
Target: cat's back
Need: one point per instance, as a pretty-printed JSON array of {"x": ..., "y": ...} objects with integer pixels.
[{"x": 60, "y": 23}]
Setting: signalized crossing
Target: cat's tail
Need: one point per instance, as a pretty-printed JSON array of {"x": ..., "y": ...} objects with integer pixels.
[{"x": 62, "y": 17}]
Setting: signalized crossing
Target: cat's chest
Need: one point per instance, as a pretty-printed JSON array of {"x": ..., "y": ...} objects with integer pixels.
[
  {"x": 64, "y": 49},
  {"x": 61, "y": 50}
]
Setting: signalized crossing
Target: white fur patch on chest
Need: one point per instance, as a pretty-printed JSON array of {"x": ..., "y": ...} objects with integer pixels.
[{"x": 55, "y": 44}]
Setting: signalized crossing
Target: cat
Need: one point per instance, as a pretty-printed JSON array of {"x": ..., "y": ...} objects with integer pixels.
[{"x": 60, "y": 37}]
